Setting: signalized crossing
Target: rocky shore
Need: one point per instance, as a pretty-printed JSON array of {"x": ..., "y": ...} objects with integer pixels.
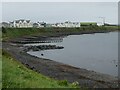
[
  {"x": 42, "y": 47},
  {"x": 59, "y": 71}
]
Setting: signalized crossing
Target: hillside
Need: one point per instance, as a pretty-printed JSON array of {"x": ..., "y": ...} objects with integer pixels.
[{"x": 15, "y": 75}]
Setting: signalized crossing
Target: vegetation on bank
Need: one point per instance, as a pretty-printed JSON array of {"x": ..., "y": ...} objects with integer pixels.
[
  {"x": 16, "y": 75},
  {"x": 8, "y": 33},
  {"x": 0, "y": 68}
]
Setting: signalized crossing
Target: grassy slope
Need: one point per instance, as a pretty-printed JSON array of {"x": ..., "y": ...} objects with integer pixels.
[
  {"x": 15, "y": 75},
  {"x": 18, "y": 32},
  {"x": 0, "y": 59},
  {"x": 0, "y": 68}
]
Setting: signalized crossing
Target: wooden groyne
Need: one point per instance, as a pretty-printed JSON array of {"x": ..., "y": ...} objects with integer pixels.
[{"x": 38, "y": 40}]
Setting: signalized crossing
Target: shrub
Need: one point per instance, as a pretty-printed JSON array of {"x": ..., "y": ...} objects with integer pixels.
[
  {"x": 3, "y": 30},
  {"x": 63, "y": 82}
]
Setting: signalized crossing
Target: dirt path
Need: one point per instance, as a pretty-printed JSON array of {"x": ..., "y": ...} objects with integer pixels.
[{"x": 60, "y": 71}]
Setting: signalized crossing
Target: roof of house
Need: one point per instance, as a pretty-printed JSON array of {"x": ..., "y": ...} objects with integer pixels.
[
  {"x": 5, "y": 23},
  {"x": 11, "y": 22},
  {"x": 27, "y": 21},
  {"x": 67, "y": 22},
  {"x": 22, "y": 20},
  {"x": 17, "y": 21},
  {"x": 35, "y": 23},
  {"x": 41, "y": 22}
]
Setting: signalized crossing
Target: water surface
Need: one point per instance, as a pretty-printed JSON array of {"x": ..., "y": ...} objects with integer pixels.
[{"x": 97, "y": 52}]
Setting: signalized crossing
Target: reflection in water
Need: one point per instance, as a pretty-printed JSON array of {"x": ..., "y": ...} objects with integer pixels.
[{"x": 98, "y": 52}]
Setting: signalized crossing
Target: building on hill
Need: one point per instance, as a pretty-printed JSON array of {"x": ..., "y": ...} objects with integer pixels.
[
  {"x": 11, "y": 24},
  {"x": 60, "y": 24},
  {"x": 66, "y": 24},
  {"x": 35, "y": 25},
  {"x": 49, "y": 25},
  {"x": 39, "y": 24},
  {"x": 71, "y": 24},
  {"x": 42, "y": 24},
  {"x": 21, "y": 23},
  {"x": 5, "y": 24}
]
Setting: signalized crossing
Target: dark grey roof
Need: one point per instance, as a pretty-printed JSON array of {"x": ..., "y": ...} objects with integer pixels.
[
  {"x": 22, "y": 20},
  {"x": 27, "y": 21},
  {"x": 41, "y": 22},
  {"x": 5, "y": 23},
  {"x": 35, "y": 23},
  {"x": 17, "y": 21},
  {"x": 67, "y": 22},
  {"x": 11, "y": 22}
]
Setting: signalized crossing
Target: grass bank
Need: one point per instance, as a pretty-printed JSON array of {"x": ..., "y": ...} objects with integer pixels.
[
  {"x": 15, "y": 75},
  {"x": 0, "y": 68},
  {"x": 8, "y": 33}
]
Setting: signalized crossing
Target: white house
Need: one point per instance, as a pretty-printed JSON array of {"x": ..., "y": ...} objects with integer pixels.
[
  {"x": 39, "y": 24},
  {"x": 5, "y": 24},
  {"x": 42, "y": 24},
  {"x": 71, "y": 24},
  {"x": 21, "y": 23},
  {"x": 68, "y": 24},
  {"x": 60, "y": 25},
  {"x": 27, "y": 23}
]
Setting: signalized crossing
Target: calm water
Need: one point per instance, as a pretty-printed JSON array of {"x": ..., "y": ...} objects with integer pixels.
[{"x": 97, "y": 52}]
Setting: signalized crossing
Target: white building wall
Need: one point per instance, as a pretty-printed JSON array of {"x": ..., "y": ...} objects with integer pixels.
[
  {"x": 23, "y": 24},
  {"x": 30, "y": 24},
  {"x": 72, "y": 24}
]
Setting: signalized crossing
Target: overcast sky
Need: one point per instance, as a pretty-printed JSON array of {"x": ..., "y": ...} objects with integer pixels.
[
  {"x": 60, "y": 0},
  {"x": 52, "y": 12}
]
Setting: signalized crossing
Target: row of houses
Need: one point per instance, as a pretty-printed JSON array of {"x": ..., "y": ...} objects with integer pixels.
[
  {"x": 27, "y": 24},
  {"x": 66, "y": 24},
  {"x": 21, "y": 23}
]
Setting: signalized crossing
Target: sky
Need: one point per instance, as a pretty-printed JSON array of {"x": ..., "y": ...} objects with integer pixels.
[
  {"x": 52, "y": 12},
  {"x": 60, "y": 0}
]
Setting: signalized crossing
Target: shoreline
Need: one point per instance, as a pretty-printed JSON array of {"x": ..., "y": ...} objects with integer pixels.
[
  {"x": 37, "y": 38},
  {"x": 13, "y": 33},
  {"x": 59, "y": 70}
]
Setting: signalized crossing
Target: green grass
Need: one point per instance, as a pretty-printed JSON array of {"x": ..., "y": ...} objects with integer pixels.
[
  {"x": 0, "y": 68},
  {"x": 8, "y": 33},
  {"x": 15, "y": 75},
  {"x": 88, "y": 23}
]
